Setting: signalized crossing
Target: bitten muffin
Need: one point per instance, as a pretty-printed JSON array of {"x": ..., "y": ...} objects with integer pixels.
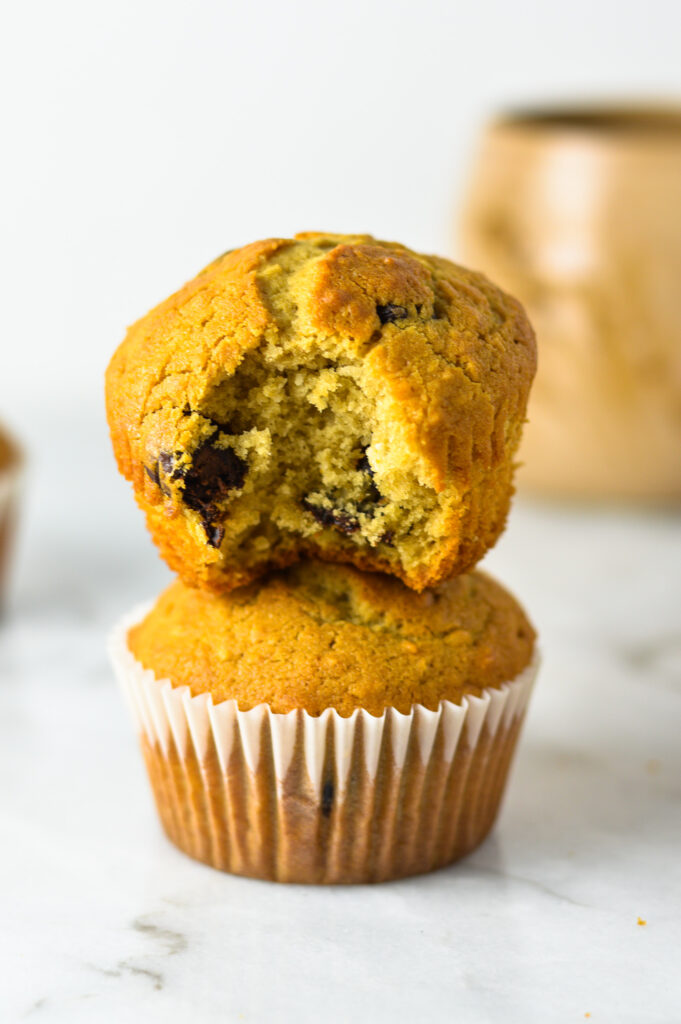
[
  {"x": 328, "y": 725},
  {"x": 329, "y": 396}
]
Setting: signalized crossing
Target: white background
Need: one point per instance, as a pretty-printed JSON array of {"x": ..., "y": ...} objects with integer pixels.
[{"x": 139, "y": 141}]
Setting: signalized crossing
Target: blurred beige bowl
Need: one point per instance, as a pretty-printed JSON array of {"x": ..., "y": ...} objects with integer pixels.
[{"x": 578, "y": 213}]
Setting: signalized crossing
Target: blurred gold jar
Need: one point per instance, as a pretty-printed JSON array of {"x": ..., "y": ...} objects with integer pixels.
[
  {"x": 10, "y": 482},
  {"x": 578, "y": 213}
]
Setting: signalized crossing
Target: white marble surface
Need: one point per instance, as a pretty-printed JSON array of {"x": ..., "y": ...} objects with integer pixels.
[{"x": 102, "y": 920}]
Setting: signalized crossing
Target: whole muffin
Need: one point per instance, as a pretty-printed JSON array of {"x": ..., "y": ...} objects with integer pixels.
[
  {"x": 329, "y": 396},
  {"x": 327, "y": 725}
]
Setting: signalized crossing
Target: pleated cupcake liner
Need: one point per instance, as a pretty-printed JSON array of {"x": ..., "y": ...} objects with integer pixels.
[{"x": 323, "y": 799}]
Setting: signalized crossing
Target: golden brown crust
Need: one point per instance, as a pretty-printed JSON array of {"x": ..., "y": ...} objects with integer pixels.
[
  {"x": 211, "y": 321},
  {"x": 448, "y": 382},
  {"x": 319, "y": 636}
]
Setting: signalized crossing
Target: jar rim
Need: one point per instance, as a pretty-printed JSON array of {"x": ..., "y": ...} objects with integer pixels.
[{"x": 603, "y": 119}]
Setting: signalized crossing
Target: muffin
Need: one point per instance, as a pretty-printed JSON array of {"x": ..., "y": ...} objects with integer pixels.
[
  {"x": 328, "y": 725},
  {"x": 326, "y": 396},
  {"x": 9, "y": 484}
]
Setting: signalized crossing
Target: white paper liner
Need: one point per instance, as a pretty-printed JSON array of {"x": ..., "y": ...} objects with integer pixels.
[{"x": 309, "y": 757}]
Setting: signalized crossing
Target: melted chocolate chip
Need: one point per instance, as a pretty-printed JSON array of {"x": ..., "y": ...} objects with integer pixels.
[
  {"x": 152, "y": 473},
  {"x": 388, "y": 314},
  {"x": 373, "y": 495},
  {"x": 155, "y": 477},
  {"x": 346, "y": 520},
  {"x": 214, "y": 534},
  {"x": 166, "y": 462},
  {"x": 327, "y": 798},
  {"x": 339, "y": 520},
  {"x": 363, "y": 465},
  {"x": 214, "y": 472}
]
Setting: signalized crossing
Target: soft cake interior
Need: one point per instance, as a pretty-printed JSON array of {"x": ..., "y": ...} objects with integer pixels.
[
  {"x": 292, "y": 454},
  {"x": 293, "y": 445}
]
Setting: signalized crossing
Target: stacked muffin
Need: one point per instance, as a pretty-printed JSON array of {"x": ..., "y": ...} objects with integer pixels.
[{"x": 321, "y": 432}]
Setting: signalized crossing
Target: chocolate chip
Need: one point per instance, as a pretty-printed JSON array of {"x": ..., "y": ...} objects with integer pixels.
[
  {"x": 208, "y": 480},
  {"x": 214, "y": 534},
  {"x": 166, "y": 462},
  {"x": 363, "y": 465},
  {"x": 373, "y": 495},
  {"x": 387, "y": 538},
  {"x": 388, "y": 314},
  {"x": 335, "y": 518},
  {"x": 213, "y": 473},
  {"x": 327, "y": 798},
  {"x": 155, "y": 477},
  {"x": 152, "y": 473}
]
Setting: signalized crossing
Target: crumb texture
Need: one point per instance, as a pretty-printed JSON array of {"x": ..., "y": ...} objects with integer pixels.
[
  {"x": 316, "y": 636},
  {"x": 329, "y": 396}
]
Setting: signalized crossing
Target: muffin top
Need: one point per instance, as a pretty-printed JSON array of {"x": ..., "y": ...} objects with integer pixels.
[
  {"x": 319, "y": 636},
  {"x": 329, "y": 395}
]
